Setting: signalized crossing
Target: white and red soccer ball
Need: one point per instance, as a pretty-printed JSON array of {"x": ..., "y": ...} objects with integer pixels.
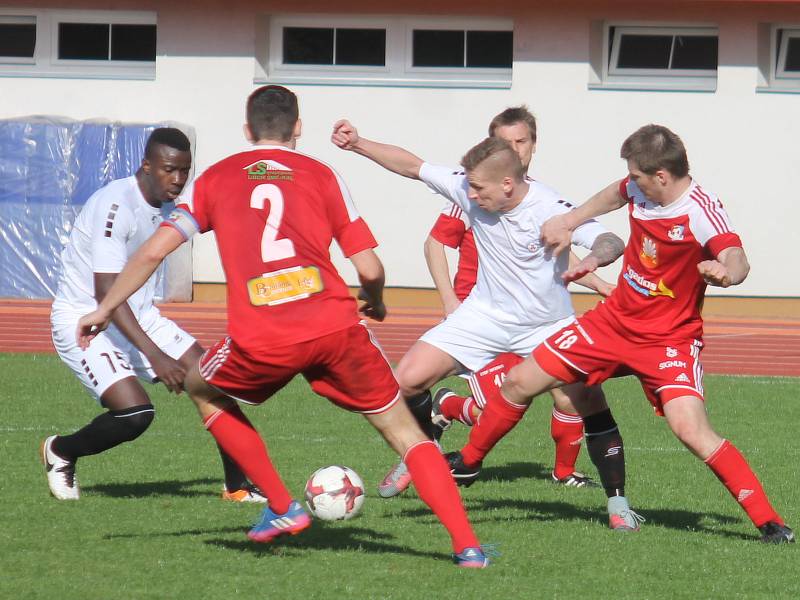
[{"x": 335, "y": 493}]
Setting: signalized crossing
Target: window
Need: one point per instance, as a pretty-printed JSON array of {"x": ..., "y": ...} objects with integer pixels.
[
  {"x": 334, "y": 46},
  {"x": 657, "y": 57},
  {"x": 778, "y": 58},
  {"x": 662, "y": 51},
  {"x": 788, "y": 59},
  {"x": 455, "y": 48},
  {"x": 80, "y": 43},
  {"x": 351, "y": 50},
  {"x": 17, "y": 38}
]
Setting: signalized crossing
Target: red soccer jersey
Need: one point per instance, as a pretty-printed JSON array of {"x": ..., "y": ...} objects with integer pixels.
[
  {"x": 453, "y": 231},
  {"x": 274, "y": 212},
  {"x": 660, "y": 292}
]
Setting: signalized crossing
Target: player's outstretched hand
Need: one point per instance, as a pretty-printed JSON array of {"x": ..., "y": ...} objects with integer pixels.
[
  {"x": 169, "y": 371},
  {"x": 556, "y": 234},
  {"x": 90, "y": 325},
  {"x": 714, "y": 273},
  {"x": 344, "y": 135},
  {"x": 370, "y": 308},
  {"x": 584, "y": 267}
]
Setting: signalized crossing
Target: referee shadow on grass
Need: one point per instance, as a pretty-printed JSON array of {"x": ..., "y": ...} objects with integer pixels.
[
  {"x": 327, "y": 537},
  {"x": 181, "y": 488}
]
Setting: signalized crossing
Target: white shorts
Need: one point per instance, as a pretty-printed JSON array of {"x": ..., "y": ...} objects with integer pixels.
[
  {"x": 111, "y": 357},
  {"x": 475, "y": 339}
]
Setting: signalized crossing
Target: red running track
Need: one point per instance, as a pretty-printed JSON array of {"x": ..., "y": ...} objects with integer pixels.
[{"x": 734, "y": 346}]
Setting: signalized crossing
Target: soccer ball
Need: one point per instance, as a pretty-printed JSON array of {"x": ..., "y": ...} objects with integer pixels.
[{"x": 335, "y": 493}]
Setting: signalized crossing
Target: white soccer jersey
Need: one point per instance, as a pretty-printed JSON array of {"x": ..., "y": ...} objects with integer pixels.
[
  {"x": 113, "y": 223},
  {"x": 518, "y": 281}
]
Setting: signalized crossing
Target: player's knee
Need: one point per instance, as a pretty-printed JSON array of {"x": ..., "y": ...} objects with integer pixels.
[
  {"x": 514, "y": 388},
  {"x": 132, "y": 422}
]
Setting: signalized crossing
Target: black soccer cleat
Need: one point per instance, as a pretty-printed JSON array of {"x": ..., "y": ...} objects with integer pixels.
[
  {"x": 464, "y": 476},
  {"x": 775, "y": 533}
]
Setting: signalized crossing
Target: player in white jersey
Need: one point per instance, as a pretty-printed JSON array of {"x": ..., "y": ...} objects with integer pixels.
[
  {"x": 518, "y": 299},
  {"x": 114, "y": 222},
  {"x": 517, "y": 126}
]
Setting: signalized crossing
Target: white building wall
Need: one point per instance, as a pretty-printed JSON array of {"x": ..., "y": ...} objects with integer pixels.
[{"x": 742, "y": 144}]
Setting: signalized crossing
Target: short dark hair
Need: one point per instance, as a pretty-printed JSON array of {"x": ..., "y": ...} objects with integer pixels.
[
  {"x": 512, "y": 115},
  {"x": 491, "y": 147},
  {"x": 655, "y": 147},
  {"x": 272, "y": 113},
  {"x": 166, "y": 136}
]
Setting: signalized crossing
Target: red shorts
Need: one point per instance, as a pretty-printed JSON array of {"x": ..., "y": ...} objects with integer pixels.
[
  {"x": 486, "y": 382},
  {"x": 593, "y": 349},
  {"x": 347, "y": 367}
]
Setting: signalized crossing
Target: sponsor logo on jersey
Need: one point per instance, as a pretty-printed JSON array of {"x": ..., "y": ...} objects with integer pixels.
[
  {"x": 668, "y": 364},
  {"x": 675, "y": 233},
  {"x": 285, "y": 285},
  {"x": 671, "y": 352},
  {"x": 649, "y": 253},
  {"x": 265, "y": 170},
  {"x": 646, "y": 287},
  {"x": 682, "y": 378}
]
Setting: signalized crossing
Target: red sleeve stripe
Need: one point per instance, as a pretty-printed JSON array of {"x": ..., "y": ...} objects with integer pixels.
[
  {"x": 455, "y": 211},
  {"x": 716, "y": 218}
]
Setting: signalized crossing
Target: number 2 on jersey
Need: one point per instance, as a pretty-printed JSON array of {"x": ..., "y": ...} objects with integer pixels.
[{"x": 271, "y": 247}]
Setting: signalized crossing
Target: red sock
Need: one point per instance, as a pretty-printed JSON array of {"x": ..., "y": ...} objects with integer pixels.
[
  {"x": 567, "y": 433},
  {"x": 436, "y": 488},
  {"x": 732, "y": 470},
  {"x": 236, "y": 435},
  {"x": 460, "y": 408},
  {"x": 499, "y": 416}
]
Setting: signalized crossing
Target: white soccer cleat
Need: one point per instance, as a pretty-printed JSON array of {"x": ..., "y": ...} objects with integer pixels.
[{"x": 60, "y": 473}]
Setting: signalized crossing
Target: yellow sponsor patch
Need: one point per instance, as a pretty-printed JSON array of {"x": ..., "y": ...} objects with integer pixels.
[{"x": 285, "y": 285}]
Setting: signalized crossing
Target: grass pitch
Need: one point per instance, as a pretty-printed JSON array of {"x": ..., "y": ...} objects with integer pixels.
[{"x": 150, "y": 523}]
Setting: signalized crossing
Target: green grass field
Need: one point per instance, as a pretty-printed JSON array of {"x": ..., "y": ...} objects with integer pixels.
[{"x": 150, "y": 523}]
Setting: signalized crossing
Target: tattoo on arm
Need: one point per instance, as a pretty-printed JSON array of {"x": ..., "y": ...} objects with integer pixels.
[{"x": 607, "y": 248}]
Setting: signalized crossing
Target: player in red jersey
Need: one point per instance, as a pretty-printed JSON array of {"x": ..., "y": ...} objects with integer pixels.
[
  {"x": 681, "y": 241},
  {"x": 275, "y": 212},
  {"x": 517, "y": 126}
]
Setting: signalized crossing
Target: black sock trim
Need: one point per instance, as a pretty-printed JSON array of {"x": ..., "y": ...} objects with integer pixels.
[
  {"x": 133, "y": 410},
  {"x": 599, "y": 424}
]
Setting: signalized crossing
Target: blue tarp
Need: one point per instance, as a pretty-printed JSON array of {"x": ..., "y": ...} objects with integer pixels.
[{"x": 49, "y": 167}]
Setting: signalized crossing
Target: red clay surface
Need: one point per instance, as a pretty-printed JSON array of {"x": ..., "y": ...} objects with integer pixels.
[{"x": 734, "y": 346}]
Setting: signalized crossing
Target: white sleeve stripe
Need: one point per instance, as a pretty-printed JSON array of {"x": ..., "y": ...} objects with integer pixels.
[
  {"x": 716, "y": 218},
  {"x": 712, "y": 207},
  {"x": 352, "y": 211}
]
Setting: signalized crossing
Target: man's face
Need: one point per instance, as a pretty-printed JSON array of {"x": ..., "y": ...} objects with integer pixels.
[
  {"x": 519, "y": 136},
  {"x": 166, "y": 172},
  {"x": 488, "y": 188},
  {"x": 651, "y": 185}
]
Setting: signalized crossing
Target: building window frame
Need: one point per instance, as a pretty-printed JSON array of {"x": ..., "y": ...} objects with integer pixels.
[
  {"x": 607, "y": 74},
  {"x": 46, "y": 62},
  {"x": 398, "y": 69}
]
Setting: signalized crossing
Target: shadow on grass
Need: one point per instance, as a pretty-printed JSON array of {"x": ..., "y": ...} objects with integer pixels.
[
  {"x": 322, "y": 537},
  {"x": 516, "y": 470},
  {"x": 483, "y": 510},
  {"x": 153, "y": 488}
]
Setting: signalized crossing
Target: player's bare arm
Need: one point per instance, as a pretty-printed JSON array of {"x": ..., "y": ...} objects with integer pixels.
[
  {"x": 730, "y": 268},
  {"x": 440, "y": 273},
  {"x": 372, "y": 278},
  {"x": 607, "y": 248},
  {"x": 591, "y": 281},
  {"x": 557, "y": 231},
  {"x": 393, "y": 158},
  {"x": 168, "y": 370},
  {"x": 137, "y": 271}
]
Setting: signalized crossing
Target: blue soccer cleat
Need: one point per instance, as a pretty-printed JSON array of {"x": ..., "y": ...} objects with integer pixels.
[
  {"x": 471, "y": 558},
  {"x": 272, "y": 525}
]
